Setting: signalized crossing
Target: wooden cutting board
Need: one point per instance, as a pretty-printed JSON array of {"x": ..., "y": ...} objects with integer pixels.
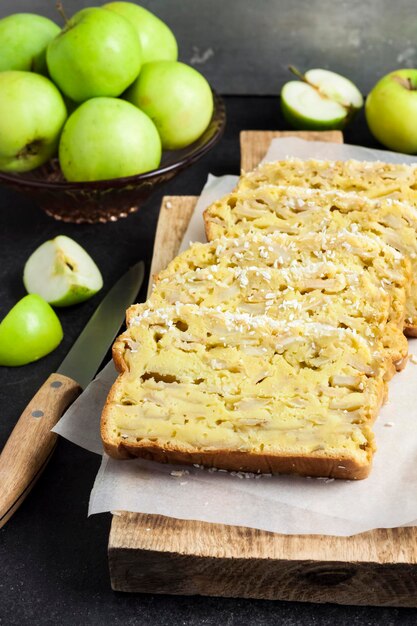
[{"x": 156, "y": 554}]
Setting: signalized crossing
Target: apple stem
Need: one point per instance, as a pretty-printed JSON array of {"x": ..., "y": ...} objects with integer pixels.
[
  {"x": 60, "y": 8},
  {"x": 404, "y": 82},
  {"x": 297, "y": 73}
]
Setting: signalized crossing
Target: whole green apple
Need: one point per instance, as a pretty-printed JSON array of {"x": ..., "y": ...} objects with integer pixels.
[
  {"x": 24, "y": 38},
  {"x": 391, "y": 111},
  {"x": 157, "y": 40},
  {"x": 32, "y": 114},
  {"x": 108, "y": 138},
  {"x": 177, "y": 98},
  {"x": 98, "y": 53},
  {"x": 29, "y": 331},
  {"x": 62, "y": 272}
]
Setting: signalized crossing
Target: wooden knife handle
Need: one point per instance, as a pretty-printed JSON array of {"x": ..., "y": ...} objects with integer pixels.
[{"x": 31, "y": 442}]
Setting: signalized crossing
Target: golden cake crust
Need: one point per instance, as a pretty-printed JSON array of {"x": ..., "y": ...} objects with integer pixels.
[{"x": 233, "y": 460}]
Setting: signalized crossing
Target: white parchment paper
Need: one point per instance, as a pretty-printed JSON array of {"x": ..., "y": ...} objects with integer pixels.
[{"x": 283, "y": 504}]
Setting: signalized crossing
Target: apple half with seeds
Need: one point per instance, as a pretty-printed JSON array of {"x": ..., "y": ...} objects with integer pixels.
[
  {"x": 320, "y": 100},
  {"x": 62, "y": 272}
]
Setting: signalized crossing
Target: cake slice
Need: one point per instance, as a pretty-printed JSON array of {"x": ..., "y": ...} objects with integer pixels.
[
  {"x": 372, "y": 179},
  {"x": 297, "y": 211},
  {"x": 348, "y": 280},
  {"x": 244, "y": 393}
]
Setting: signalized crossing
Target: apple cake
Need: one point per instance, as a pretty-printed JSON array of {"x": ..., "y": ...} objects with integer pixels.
[
  {"x": 297, "y": 210},
  {"x": 347, "y": 280},
  {"x": 268, "y": 349},
  {"x": 372, "y": 179},
  {"x": 244, "y": 393}
]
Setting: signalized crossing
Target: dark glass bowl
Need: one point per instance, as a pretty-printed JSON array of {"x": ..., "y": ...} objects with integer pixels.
[{"x": 108, "y": 200}]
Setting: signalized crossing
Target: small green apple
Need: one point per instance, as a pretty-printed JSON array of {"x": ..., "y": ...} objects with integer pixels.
[
  {"x": 32, "y": 114},
  {"x": 108, "y": 138},
  {"x": 97, "y": 53},
  {"x": 29, "y": 331},
  {"x": 177, "y": 98},
  {"x": 391, "y": 111},
  {"x": 24, "y": 38},
  {"x": 320, "y": 100},
  {"x": 62, "y": 273},
  {"x": 157, "y": 40}
]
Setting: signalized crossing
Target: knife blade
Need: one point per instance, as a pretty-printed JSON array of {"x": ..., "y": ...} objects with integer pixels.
[
  {"x": 89, "y": 349},
  {"x": 31, "y": 442}
]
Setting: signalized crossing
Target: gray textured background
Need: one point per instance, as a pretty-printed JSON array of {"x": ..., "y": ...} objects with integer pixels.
[{"x": 245, "y": 46}]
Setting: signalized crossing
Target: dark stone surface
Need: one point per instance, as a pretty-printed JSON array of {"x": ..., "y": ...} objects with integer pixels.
[
  {"x": 245, "y": 47},
  {"x": 53, "y": 564}
]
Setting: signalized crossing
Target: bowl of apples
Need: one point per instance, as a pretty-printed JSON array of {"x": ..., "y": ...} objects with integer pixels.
[{"x": 96, "y": 115}]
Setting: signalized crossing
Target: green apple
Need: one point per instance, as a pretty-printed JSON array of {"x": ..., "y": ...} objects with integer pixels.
[
  {"x": 391, "y": 111},
  {"x": 29, "y": 331},
  {"x": 177, "y": 98},
  {"x": 108, "y": 138},
  {"x": 157, "y": 40},
  {"x": 62, "y": 273},
  {"x": 32, "y": 114},
  {"x": 320, "y": 100},
  {"x": 23, "y": 41},
  {"x": 97, "y": 53}
]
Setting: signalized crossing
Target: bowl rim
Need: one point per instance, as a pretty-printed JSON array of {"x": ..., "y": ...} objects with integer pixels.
[{"x": 219, "y": 111}]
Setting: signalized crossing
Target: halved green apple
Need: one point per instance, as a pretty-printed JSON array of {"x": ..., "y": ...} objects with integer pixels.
[
  {"x": 62, "y": 272},
  {"x": 321, "y": 100},
  {"x": 29, "y": 331}
]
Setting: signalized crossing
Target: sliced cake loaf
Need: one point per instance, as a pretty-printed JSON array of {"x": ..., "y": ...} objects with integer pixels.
[
  {"x": 245, "y": 393},
  {"x": 269, "y": 348},
  {"x": 297, "y": 211},
  {"x": 372, "y": 179}
]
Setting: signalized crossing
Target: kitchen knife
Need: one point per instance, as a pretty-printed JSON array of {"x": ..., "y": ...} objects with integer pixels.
[{"x": 31, "y": 443}]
